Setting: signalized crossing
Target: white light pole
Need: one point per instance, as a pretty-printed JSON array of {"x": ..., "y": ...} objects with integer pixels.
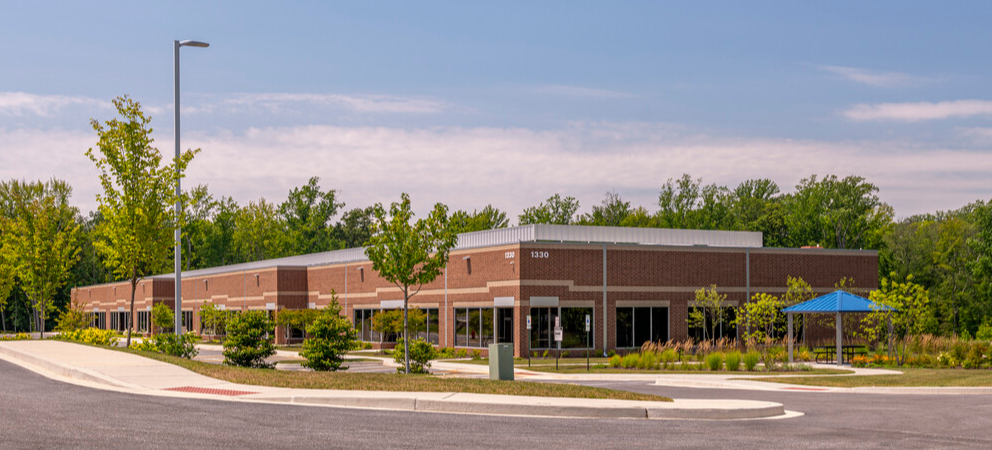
[{"x": 179, "y": 211}]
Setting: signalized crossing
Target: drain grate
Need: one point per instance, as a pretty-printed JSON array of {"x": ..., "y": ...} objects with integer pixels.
[{"x": 200, "y": 390}]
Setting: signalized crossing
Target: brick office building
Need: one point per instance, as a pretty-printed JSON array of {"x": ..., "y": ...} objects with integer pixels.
[{"x": 641, "y": 280}]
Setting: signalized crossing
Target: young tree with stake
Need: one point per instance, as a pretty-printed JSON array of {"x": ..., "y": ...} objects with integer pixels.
[{"x": 407, "y": 254}]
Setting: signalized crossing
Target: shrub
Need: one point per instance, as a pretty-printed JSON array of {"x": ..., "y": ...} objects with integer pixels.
[
  {"x": 611, "y": 353},
  {"x": 751, "y": 359},
  {"x": 421, "y": 354},
  {"x": 733, "y": 361},
  {"x": 249, "y": 340},
  {"x": 331, "y": 336},
  {"x": 93, "y": 336},
  {"x": 183, "y": 345},
  {"x": 476, "y": 354},
  {"x": 630, "y": 361},
  {"x": 461, "y": 353},
  {"x": 714, "y": 361},
  {"x": 984, "y": 331},
  {"x": 16, "y": 337},
  {"x": 565, "y": 354},
  {"x": 647, "y": 361},
  {"x": 546, "y": 353},
  {"x": 446, "y": 353},
  {"x": 615, "y": 361},
  {"x": 73, "y": 318},
  {"x": 163, "y": 318}
]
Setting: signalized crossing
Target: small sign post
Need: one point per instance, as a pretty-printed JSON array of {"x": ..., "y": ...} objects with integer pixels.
[
  {"x": 558, "y": 336},
  {"x": 587, "y": 342},
  {"x": 528, "y": 341}
]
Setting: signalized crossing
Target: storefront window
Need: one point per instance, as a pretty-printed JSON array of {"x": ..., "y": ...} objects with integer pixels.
[
  {"x": 725, "y": 327},
  {"x": 475, "y": 327},
  {"x": 635, "y": 326},
  {"x": 573, "y": 324}
]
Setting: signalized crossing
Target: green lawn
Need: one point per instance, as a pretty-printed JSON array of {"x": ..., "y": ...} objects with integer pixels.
[
  {"x": 909, "y": 378},
  {"x": 392, "y": 382}
]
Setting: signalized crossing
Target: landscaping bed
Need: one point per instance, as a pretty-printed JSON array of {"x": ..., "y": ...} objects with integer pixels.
[{"x": 391, "y": 382}]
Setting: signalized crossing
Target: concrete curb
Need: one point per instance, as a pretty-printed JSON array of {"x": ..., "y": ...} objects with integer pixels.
[
  {"x": 65, "y": 370},
  {"x": 445, "y": 402}
]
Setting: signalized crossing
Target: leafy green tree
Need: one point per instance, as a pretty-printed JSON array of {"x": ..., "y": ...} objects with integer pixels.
[
  {"x": 687, "y": 204},
  {"x": 707, "y": 311},
  {"x": 213, "y": 318},
  {"x": 912, "y": 315},
  {"x": 163, "y": 318},
  {"x": 259, "y": 232},
  {"x": 249, "y": 340},
  {"x": 40, "y": 242},
  {"x": 308, "y": 211},
  {"x": 555, "y": 211},
  {"x": 331, "y": 336},
  {"x": 355, "y": 228},
  {"x": 612, "y": 213},
  {"x": 760, "y": 316},
  {"x": 798, "y": 291},
  {"x": 407, "y": 254},
  {"x": 837, "y": 213},
  {"x": 6, "y": 274},
  {"x": 981, "y": 244},
  {"x": 73, "y": 318},
  {"x": 391, "y": 321},
  {"x": 197, "y": 227},
  {"x": 135, "y": 237},
  {"x": 218, "y": 248},
  {"x": 490, "y": 218},
  {"x": 295, "y": 319}
]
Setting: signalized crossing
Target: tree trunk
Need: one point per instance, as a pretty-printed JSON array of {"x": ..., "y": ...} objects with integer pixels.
[
  {"x": 3, "y": 318},
  {"x": 130, "y": 319},
  {"x": 406, "y": 335}
]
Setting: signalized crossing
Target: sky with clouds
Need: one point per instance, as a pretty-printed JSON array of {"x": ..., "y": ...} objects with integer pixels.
[{"x": 507, "y": 103}]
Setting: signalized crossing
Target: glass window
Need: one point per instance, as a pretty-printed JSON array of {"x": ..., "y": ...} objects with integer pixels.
[
  {"x": 504, "y": 325},
  {"x": 461, "y": 327},
  {"x": 625, "y": 327},
  {"x": 486, "y": 325},
  {"x": 432, "y": 326},
  {"x": 573, "y": 324},
  {"x": 725, "y": 327},
  {"x": 635, "y": 326},
  {"x": 474, "y": 332},
  {"x": 659, "y": 324},
  {"x": 188, "y": 321}
]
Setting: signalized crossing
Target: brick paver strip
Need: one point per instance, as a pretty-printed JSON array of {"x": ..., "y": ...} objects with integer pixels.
[{"x": 199, "y": 390}]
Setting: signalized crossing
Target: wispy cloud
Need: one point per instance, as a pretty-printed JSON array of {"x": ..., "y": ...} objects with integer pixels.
[
  {"x": 513, "y": 168},
  {"x": 22, "y": 103},
  {"x": 915, "y": 112},
  {"x": 874, "y": 78},
  {"x": 978, "y": 135},
  {"x": 272, "y": 103},
  {"x": 578, "y": 91}
]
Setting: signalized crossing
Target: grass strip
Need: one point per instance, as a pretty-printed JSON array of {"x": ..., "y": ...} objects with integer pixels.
[
  {"x": 909, "y": 378},
  {"x": 391, "y": 382}
]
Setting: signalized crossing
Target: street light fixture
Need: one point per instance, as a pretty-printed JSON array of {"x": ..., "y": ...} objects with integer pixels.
[{"x": 179, "y": 211}]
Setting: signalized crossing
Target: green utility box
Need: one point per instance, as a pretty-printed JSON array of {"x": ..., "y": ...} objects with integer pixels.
[{"x": 501, "y": 362}]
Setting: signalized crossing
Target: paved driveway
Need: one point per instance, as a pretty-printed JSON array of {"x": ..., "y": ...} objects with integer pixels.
[{"x": 43, "y": 413}]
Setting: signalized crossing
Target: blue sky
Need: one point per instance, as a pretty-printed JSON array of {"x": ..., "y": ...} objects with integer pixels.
[{"x": 508, "y": 103}]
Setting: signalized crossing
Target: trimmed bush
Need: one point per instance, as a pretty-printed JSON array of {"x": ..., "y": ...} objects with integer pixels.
[
  {"x": 714, "y": 361},
  {"x": 733, "y": 361},
  {"x": 249, "y": 340},
  {"x": 331, "y": 336},
  {"x": 751, "y": 359},
  {"x": 421, "y": 354}
]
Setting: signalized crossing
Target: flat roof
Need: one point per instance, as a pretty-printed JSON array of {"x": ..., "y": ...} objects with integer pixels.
[{"x": 516, "y": 235}]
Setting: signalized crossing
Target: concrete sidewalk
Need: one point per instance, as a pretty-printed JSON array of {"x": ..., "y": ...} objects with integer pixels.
[{"x": 108, "y": 369}]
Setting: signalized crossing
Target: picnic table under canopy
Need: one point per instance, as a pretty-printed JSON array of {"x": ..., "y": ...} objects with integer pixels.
[{"x": 838, "y": 303}]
